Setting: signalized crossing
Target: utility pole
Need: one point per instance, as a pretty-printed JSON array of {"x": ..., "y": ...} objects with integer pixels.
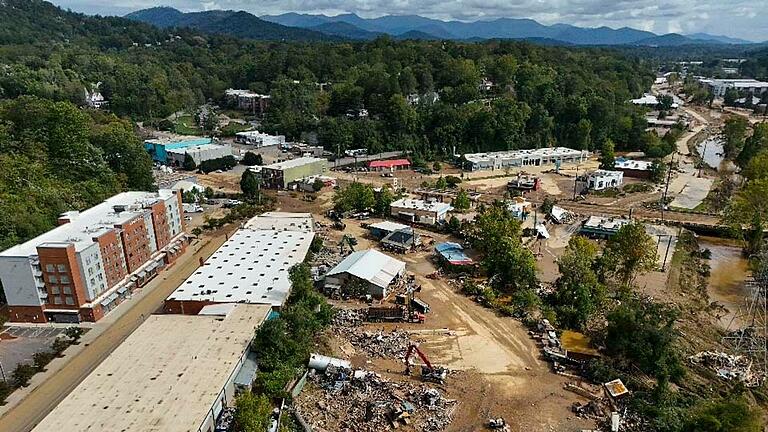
[
  {"x": 575, "y": 182},
  {"x": 666, "y": 188}
]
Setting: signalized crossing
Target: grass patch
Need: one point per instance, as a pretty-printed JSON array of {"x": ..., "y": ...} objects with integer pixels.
[
  {"x": 232, "y": 128},
  {"x": 185, "y": 125},
  {"x": 637, "y": 187}
]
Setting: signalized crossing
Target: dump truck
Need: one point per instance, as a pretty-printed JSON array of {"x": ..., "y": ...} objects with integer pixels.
[{"x": 393, "y": 314}]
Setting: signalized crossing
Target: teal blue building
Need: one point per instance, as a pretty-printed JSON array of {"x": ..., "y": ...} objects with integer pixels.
[{"x": 157, "y": 147}]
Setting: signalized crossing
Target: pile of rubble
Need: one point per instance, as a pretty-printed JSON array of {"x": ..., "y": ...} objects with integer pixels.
[
  {"x": 384, "y": 344},
  {"x": 729, "y": 367},
  {"x": 361, "y": 401}
]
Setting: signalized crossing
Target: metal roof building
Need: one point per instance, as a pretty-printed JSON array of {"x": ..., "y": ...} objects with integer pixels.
[
  {"x": 453, "y": 253},
  {"x": 175, "y": 373},
  {"x": 519, "y": 158},
  {"x": 251, "y": 267},
  {"x": 377, "y": 269}
]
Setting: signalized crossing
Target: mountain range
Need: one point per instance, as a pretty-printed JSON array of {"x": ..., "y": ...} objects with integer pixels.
[{"x": 308, "y": 27}]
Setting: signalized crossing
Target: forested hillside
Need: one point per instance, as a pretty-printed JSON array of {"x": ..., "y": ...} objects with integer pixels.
[
  {"x": 55, "y": 157},
  {"x": 541, "y": 96}
]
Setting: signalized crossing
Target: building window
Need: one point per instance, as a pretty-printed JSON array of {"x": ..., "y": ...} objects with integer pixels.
[
  {"x": 57, "y": 300},
  {"x": 52, "y": 278},
  {"x": 61, "y": 268},
  {"x": 49, "y": 268},
  {"x": 66, "y": 289},
  {"x": 70, "y": 301},
  {"x": 54, "y": 289},
  {"x": 64, "y": 279}
]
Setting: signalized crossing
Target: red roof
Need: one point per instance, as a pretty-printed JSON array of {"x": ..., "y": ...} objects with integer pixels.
[{"x": 389, "y": 163}]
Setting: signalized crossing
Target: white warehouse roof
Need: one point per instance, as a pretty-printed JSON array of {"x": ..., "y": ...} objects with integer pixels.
[
  {"x": 165, "y": 376},
  {"x": 251, "y": 267},
  {"x": 526, "y": 154},
  {"x": 388, "y": 226},
  {"x": 417, "y": 204},
  {"x": 371, "y": 265},
  {"x": 293, "y": 163},
  {"x": 281, "y": 221}
]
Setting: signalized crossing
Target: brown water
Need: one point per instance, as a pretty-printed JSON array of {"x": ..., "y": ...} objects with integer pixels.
[{"x": 729, "y": 271}]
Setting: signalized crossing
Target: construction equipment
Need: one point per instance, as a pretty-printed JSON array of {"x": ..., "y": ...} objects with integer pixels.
[
  {"x": 498, "y": 424},
  {"x": 394, "y": 314},
  {"x": 435, "y": 374},
  {"x": 336, "y": 218},
  {"x": 347, "y": 241}
]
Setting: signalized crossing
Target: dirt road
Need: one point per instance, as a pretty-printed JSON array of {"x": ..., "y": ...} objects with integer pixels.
[{"x": 40, "y": 401}]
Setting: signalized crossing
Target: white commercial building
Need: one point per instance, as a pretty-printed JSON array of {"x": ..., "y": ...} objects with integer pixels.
[
  {"x": 174, "y": 373},
  {"x": 371, "y": 267},
  {"x": 200, "y": 153},
  {"x": 718, "y": 87},
  {"x": 415, "y": 210},
  {"x": 520, "y": 158},
  {"x": 259, "y": 139},
  {"x": 251, "y": 267},
  {"x": 604, "y": 179}
]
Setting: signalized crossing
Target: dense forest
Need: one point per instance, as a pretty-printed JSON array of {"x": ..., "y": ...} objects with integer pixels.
[{"x": 57, "y": 156}]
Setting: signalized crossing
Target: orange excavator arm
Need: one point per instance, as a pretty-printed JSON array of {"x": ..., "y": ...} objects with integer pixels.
[{"x": 411, "y": 349}]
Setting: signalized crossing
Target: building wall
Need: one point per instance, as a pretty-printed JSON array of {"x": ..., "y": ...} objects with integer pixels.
[
  {"x": 63, "y": 280},
  {"x": 90, "y": 262},
  {"x": 112, "y": 257},
  {"x": 160, "y": 225},
  {"x": 185, "y": 307},
  {"x": 18, "y": 280},
  {"x": 32, "y": 314},
  {"x": 135, "y": 243},
  {"x": 315, "y": 168},
  {"x": 173, "y": 211},
  {"x": 150, "y": 232},
  {"x": 421, "y": 216}
]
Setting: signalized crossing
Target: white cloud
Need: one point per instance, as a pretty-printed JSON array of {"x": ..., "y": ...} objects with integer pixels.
[{"x": 738, "y": 18}]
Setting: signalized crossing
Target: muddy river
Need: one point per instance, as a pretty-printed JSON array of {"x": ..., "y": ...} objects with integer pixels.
[{"x": 729, "y": 271}]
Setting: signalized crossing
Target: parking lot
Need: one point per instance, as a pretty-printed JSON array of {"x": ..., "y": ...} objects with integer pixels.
[{"x": 19, "y": 344}]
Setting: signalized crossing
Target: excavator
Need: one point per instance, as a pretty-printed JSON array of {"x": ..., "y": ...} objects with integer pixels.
[
  {"x": 347, "y": 241},
  {"x": 435, "y": 374}
]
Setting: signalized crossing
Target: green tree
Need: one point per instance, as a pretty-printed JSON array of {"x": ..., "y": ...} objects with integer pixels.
[
  {"x": 59, "y": 346},
  {"x": 461, "y": 202},
  {"x": 436, "y": 166},
  {"x": 41, "y": 359},
  {"x": 734, "y": 132},
  {"x": 749, "y": 207},
  {"x": 22, "y": 374},
  {"x": 252, "y": 159},
  {"x": 383, "y": 201},
  {"x": 249, "y": 184},
  {"x": 355, "y": 196},
  {"x": 74, "y": 334},
  {"x": 630, "y": 252},
  {"x": 728, "y": 415},
  {"x": 658, "y": 171},
  {"x": 189, "y": 163},
  {"x": 252, "y": 412},
  {"x": 641, "y": 333},
  {"x": 124, "y": 153},
  {"x": 441, "y": 183},
  {"x": 578, "y": 293},
  {"x": 608, "y": 155}
]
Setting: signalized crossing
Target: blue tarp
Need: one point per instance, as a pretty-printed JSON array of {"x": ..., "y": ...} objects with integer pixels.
[{"x": 453, "y": 253}]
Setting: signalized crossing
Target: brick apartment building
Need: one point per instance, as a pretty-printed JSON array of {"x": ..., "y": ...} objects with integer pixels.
[{"x": 93, "y": 260}]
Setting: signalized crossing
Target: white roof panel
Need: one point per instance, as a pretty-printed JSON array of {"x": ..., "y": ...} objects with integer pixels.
[{"x": 370, "y": 265}]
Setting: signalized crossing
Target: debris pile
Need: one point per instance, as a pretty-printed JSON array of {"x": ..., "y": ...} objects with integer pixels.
[
  {"x": 362, "y": 401},
  {"x": 392, "y": 344},
  {"x": 729, "y": 367},
  {"x": 347, "y": 318}
]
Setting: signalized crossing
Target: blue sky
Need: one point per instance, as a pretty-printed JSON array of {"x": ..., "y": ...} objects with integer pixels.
[{"x": 737, "y": 18}]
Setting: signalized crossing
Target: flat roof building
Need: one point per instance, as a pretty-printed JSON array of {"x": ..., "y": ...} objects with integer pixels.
[
  {"x": 259, "y": 139},
  {"x": 282, "y": 174},
  {"x": 718, "y": 87},
  {"x": 520, "y": 158},
  {"x": 604, "y": 179},
  {"x": 428, "y": 212},
  {"x": 175, "y": 373},
  {"x": 83, "y": 268},
  {"x": 247, "y": 100},
  {"x": 634, "y": 168},
  {"x": 602, "y": 227},
  {"x": 158, "y": 148},
  {"x": 251, "y": 267},
  {"x": 200, "y": 153},
  {"x": 371, "y": 267}
]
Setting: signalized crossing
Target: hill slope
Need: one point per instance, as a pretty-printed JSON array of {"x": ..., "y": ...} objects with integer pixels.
[{"x": 231, "y": 23}]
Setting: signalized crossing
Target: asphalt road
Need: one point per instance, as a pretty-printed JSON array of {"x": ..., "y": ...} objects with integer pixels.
[{"x": 40, "y": 401}]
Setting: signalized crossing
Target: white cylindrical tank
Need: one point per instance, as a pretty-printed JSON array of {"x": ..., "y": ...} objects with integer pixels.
[{"x": 321, "y": 362}]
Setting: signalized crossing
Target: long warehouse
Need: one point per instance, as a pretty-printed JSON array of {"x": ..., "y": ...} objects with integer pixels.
[{"x": 175, "y": 373}]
